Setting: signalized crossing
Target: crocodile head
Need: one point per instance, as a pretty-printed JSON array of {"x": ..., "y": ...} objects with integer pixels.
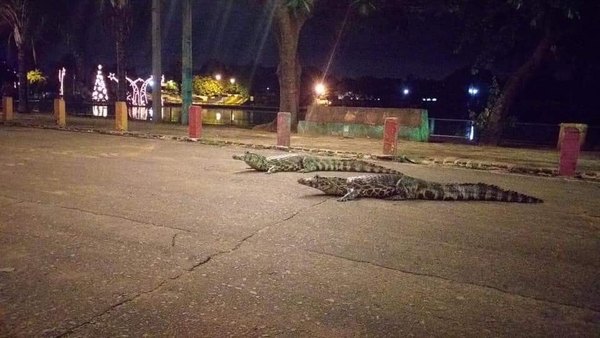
[
  {"x": 255, "y": 161},
  {"x": 330, "y": 185}
]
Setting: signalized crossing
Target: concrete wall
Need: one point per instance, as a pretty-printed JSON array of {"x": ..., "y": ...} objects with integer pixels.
[{"x": 364, "y": 122}]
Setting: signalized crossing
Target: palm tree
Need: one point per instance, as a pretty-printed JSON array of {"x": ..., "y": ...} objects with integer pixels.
[
  {"x": 156, "y": 62},
  {"x": 16, "y": 14},
  {"x": 186, "y": 60}
]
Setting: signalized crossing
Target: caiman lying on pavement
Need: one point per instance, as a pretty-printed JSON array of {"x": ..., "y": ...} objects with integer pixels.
[
  {"x": 402, "y": 187},
  {"x": 306, "y": 163}
]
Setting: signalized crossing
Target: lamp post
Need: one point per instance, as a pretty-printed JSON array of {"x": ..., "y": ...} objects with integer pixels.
[{"x": 473, "y": 92}]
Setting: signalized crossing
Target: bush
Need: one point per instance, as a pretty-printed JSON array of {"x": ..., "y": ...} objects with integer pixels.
[
  {"x": 207, "y": 86},
  {"x": 171, "y": 87}
]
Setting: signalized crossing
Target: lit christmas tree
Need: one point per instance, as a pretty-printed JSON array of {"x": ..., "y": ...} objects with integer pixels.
[{"x": 100, "y": 94}]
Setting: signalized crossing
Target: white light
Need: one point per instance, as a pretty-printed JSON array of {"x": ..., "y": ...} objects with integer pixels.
[
  {"x": 100, "y": 93},
  {"x": 218, "y": 116},
  {"x": 61, "y": 76},
  {"x": 232, "y": 117},
  {"x": 473, "y": 90},
  {"x": 218, "y": 77},
  {"x": 423, "y": 99},
  {"x": 472, "y": 133},
  {"x": 232, "y": 80},
  {"x": 406, "y": 91},
  {"x": 268, "y": 88},
  {"x": 320, "y": 89},
  {"x": 434, "y": 99}
]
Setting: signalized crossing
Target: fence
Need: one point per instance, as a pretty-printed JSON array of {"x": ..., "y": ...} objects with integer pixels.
[
  {"x": 453, "y": 129},
  {"x": 514, "y": 134},
  {"x": 540, "y": 134}
]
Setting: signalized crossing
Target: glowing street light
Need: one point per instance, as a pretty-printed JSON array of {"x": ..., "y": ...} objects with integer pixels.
[
  {"x": 218, "y": 77},
  {"x": 473, "y": 91},
  {"x": 232, "y": 80},
  {"x": 406, "y": 91},
  {"x": 320, "y": 89}
]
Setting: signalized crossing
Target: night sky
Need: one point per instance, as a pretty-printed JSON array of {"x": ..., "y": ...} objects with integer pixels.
[
  {"x": 239, "y": 34},
  {"x": 236, "y": 32}
]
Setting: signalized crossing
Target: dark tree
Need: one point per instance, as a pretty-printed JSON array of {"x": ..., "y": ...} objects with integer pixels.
[
  {"x": 289, "y": 19},
  {"x": 119, "y": 16},
  {"x": 500, "y": 27}
]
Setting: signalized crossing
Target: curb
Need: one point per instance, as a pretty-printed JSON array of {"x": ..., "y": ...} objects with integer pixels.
[{"x": 592, "y": 176}]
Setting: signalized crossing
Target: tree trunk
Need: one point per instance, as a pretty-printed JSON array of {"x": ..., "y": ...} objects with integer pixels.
[
  {"x": 156, "y": 62},
  {"x": 288, "y": 27},
  {"x": 186, "y": 61},
  {"x": 22, "y": 75},
  {"x": 517, "y": 81},
  {"x": 120, "y": 48}
]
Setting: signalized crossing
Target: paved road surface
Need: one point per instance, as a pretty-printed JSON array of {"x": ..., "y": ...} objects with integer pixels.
[{"x": 110, "y": 236}]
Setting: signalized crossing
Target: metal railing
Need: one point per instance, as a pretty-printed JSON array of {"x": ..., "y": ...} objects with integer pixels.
[
  {"x": 463, "y": 130},
  {"x": 514, "y": 134},
  {"x": 540, "y": 134}
]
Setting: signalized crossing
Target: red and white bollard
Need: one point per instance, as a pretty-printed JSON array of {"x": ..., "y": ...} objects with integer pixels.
[
  {"x": 284, "y": 128},
  {"x": 390, "y": 135},
  {"x": 195, "y": 122},
  {"x": 569, "y": 152}
]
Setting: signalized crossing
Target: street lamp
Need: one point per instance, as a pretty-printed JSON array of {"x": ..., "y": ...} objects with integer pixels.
[
  {"x": 473, "y": 90},
  {"x": 406, "y": 91},
  {"x": 218, "y": 77},
  {"x": 232, "y": 80},
  {"x": 320, "y": 89}
]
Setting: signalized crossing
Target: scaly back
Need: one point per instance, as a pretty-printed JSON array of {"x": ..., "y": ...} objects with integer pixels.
[{"x": 335, "y": 164}]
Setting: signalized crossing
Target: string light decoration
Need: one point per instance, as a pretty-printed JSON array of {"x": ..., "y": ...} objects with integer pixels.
[
  {"x": 138, "y": 96},
  {"x": 100, "y": 94},
  {"x": 61, "y": 78}
]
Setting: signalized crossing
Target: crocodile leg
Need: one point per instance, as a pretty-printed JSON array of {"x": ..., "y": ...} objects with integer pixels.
[
  {"x": 274, "y": 169},
  {"x": 352, "y": 194}
]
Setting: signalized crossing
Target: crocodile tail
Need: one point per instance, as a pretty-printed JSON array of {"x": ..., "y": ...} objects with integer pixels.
[{"x": 477, "y": 192}]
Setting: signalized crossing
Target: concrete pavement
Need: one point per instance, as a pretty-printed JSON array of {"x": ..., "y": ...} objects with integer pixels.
[
  {"x": 110, "y": 236},
  {"x": 542, "y": 162}
]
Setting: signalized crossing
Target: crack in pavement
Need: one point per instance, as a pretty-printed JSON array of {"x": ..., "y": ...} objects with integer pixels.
[
  {"x": 437, "y": 277},
  {"x": 266, "y": 227},
  {"x": 185, "y": 270},
  {"x": 112, "y": 307}
]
